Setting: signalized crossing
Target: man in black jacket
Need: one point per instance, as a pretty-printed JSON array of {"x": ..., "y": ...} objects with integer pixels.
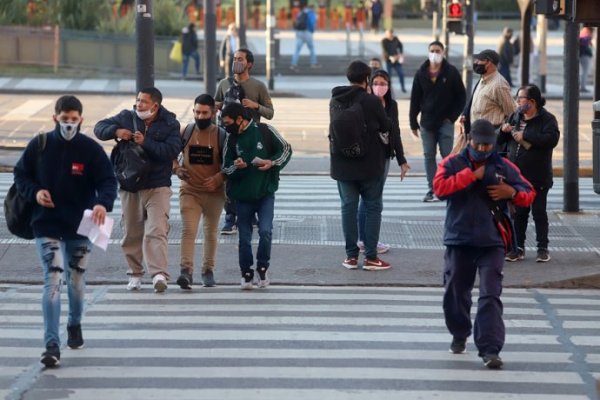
[
  {"x": 361, "y": 177},
  {"x": 438, "y": 94},
  {"x": 189, "y": 48},
  {"x": 146, "y": 212},
  {"x": 66, "y": 175}
]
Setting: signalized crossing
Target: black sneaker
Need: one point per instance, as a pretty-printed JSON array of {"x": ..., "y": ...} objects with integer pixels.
[
  {"x": 208, "y": 279},
  {"x": 542, "y": 255},
  {"x": 458, "y": 346},
  {"x": 492, "y": 361},
  {"x": 185, "y": 280},
  {"x": 263, "y": 277},
  {"x": 429, "y": 197},
  {"x": 515, "y": 255},
  {"x": 51, "y": 357},
  {"x": 248, "y": 280},
  {"x": 75, "y": 340}
]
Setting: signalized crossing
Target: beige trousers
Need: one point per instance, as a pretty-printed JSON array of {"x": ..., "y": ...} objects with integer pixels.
[
  {"x": 207, "y": 206},
  {"x": 145, "y": 223}
]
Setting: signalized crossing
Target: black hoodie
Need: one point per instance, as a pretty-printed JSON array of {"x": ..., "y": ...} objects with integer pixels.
[
  {"x": 372, "y": 165},
  {"x": 436, "y": 101}
]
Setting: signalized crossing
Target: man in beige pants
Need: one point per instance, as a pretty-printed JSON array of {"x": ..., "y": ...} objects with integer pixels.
[
  {"x": 145, "y": 218},
  {"x": 202, "y": 193}
]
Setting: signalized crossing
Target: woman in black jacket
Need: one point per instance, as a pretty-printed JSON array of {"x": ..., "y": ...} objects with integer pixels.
[
  {"x": 530, "y": 134},
  {"x": 381, "y": 87}
]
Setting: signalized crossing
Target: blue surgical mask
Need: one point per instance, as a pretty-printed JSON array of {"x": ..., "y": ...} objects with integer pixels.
[{"x": 478, "y": 156}]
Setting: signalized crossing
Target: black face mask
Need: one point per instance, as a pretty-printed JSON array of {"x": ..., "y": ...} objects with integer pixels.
[
  {"x": 479, "y": 69},
  {"x": 233, "y": 128},
  {"x": 203, "y": 123}
]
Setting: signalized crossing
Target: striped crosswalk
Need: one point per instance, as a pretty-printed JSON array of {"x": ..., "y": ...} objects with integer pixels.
[{"x": 299, "y": 343}]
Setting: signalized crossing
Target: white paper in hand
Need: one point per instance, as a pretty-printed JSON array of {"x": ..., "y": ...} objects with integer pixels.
[{"x": 98, "y": 234}]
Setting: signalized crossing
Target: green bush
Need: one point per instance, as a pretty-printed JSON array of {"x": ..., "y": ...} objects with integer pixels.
[
  {"x": 118, "y": 25},
  {"x": 169, "y": 18},
  {"x": 79, "y": 14}
]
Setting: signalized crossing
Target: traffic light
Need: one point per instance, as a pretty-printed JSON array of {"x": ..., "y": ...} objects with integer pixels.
[
  {"x": 586, "y": 11},
  {"x": 455, "y": 11},
  {"x": 454, "y": 17}
]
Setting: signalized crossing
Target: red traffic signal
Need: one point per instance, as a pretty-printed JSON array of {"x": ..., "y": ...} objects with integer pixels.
[{"x": 455, "y": 10}]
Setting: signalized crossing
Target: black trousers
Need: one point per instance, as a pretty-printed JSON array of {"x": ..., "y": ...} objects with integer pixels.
[{"x": 540, "y": 218}]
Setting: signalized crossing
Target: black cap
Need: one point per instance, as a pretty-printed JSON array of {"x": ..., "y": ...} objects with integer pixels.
[
  {"x": 483, "y": 132},
  {"x": 488, "y": 54}
]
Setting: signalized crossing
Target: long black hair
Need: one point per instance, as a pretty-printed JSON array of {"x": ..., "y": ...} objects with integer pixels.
[{"x": 388, "y": 97}]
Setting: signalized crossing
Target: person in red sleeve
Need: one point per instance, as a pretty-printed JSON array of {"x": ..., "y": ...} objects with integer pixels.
[{"x": 473, "y": 182}]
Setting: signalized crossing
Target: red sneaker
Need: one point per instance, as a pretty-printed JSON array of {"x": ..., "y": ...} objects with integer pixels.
[
  {"x": 350, "y": 263},
  {"x": 376, "y": 264}
]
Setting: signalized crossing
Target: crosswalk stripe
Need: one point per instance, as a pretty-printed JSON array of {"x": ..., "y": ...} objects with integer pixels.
[{"x": 228, "y": 344}]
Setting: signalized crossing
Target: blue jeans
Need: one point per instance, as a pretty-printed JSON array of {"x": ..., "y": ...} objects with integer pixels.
[
  {"x": 371, "y": 193},
  {"x": 58, "y": 257},
  {"x": 186, "y": 59},
  {"x": 301, "y": 38},
  {"x": 431, "y": 139},
  {"x": 461, "y": 266},
  {"x": 362, "y": 210},
  {"x": 399, "y": 70},
  {"x": 504, "y": 70},
  {"x": 246, "y": 210}
]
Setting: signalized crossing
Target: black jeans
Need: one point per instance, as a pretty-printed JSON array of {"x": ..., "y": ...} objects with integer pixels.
[{"x": 540, "y": 218}]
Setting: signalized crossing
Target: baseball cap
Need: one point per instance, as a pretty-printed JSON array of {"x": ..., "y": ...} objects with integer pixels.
[
  {"x": 488, "y": 54},
  {"x": 483, "y": 132}
]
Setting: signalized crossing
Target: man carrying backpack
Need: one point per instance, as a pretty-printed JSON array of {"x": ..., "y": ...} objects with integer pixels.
[
  {"x": 255, "y": 97},
  {"x": 201, "y": 195},
  {"x": 357, "y": 133},
  {"x": 304, "y": 25},
  {"x": 254, "y": 155}
]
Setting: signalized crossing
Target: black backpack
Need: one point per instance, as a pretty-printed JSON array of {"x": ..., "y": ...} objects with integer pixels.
[
  {"x": 301, "y": 21},
  {"x": 17, "y": 210},
  {"x": 235, "y": 93},
  {"x": 130, "y": 162},
  {"x": 347, "y": 128}
]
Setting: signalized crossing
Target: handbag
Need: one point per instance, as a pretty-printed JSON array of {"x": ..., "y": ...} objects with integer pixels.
[
  {"x": 131, "y": 163},
  {"x": 18, "y": 211},
  {"x": 176, "y": 54}
]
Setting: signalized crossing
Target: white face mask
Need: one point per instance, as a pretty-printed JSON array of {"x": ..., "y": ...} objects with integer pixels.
[
  {"x": 435, "y": 58},
  {"x": 143, "y": 115},
  {"x": 68, "y": 130}
]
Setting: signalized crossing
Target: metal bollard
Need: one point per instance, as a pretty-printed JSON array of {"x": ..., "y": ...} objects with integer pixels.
[{"x": 596, "y": 148}]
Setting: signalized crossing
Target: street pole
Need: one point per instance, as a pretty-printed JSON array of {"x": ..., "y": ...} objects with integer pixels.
[
  {"x": 445, "y": 27},
  {"x": 468, "y": 55},
  {"x": 144, "y": 51},
  {"x": 526, "y": 13},
  {"x": 435, "y": 21},
  {"x": 388, "y": 21},
  {"x": 240, "y": 21},
  {"x": 597, "y": 77},
  {"x": 571, "y": 118},
  {"x": 542, "y": 36},
  {"x": 210, "y": 46},
  {"x": 270, "y": 35}
]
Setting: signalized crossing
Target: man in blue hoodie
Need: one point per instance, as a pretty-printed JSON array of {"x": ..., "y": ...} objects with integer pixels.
[
  {"x": 146, "y": 211},
  {"x": 63, "y": 173}
]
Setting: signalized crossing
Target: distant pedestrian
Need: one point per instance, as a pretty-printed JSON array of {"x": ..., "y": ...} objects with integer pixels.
[
  {"x": 438, "y": 94},
  {"x": 376, "y": 12},
  {"x": 254, "y": 96},
  {"x": 189, "y": 48},
  {"x": 393, "y": 54},
  {"x": 229, "y": 46},
  {"x": 530, "y": 135},
  {"x": 145, "y": 212},
  {"x": 202, "y": 194},
  {"x": 477, "y": 184},
  {"x": 506, "y": 51},
  {"x": 254, "y": 156},
  {"x": 381, "y": 87},
  {"x": 375, "y": 64},
  {"x": 67, "y": 175},
  {"x": 586, "y": 54},
  {"x": 359, "y": 168},
  {"x": 304, "y": 26}
]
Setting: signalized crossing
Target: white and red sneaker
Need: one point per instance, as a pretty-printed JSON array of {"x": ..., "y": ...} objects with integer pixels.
[
  {"x": 350, "y": 263},
  {"x": 376, "y": 264}
]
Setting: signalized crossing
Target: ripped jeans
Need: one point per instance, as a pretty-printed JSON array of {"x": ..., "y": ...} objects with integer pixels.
[{"x": 60, "y": 258}]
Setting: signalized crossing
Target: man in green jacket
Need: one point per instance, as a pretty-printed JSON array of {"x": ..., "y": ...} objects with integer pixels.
[{"x": 254, "y": 155}]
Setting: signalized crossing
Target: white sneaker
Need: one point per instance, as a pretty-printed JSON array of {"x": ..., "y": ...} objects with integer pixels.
[
  {"x": 264, "y": 283},
  {"x": 246, "y": 285},
  {"x": 381, "y": 247},
  {"x": 160, "y": 283},
  {"x": 135, "y": 283}
]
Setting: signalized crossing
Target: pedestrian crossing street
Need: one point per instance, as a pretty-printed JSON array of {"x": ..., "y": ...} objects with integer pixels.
[
  {"x": 317, "y": 195},
  {"x": 295, "y": 343}
]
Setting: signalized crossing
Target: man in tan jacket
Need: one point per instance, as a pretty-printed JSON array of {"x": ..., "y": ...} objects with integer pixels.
[{"x": 202, "y": 193}]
